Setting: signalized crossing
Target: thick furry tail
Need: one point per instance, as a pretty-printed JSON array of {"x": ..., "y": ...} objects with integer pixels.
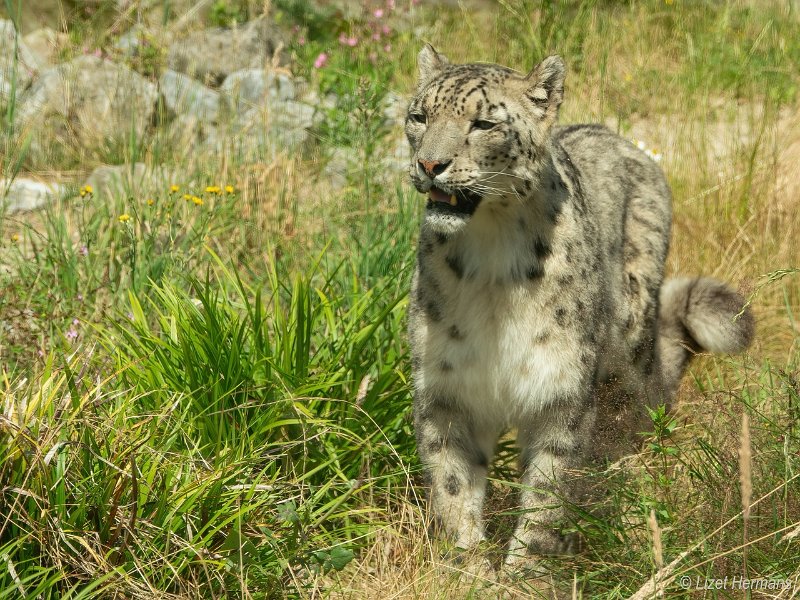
[{"x": 699, "y": 315}]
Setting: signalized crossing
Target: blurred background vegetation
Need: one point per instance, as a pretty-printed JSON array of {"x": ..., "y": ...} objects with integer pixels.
[{"x": 209, "y": 398}]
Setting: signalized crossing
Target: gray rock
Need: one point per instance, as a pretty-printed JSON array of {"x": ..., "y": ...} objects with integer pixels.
[
  {"x": 128, "y": 43},
  {"x": 21, "y": 194},
  {"x": 44, "y": 45},
  {"x": 340, "y": 166},
  {"x": 265, "y": 117},
  {"x": 346, "y": 164},
  {"x": 15, "y": 73},
  {"x": 252, "y": 140},
  {"x": 280, "y": 124},
  {"x": 256, "y": 144},
  {"x": 185, "y": 96},
  {"x": 87, "y": 101},
  {"x": 398, "y": 157},
  {"x": 394, "y": 108},
  {"x": 310, "y": 96},
  {"x": 293, "y": 115},
  {"x": 212, "y": 54},
  {"x": 134, "y": 180},
  {"x": 249, "y": 88},
  {"x": 187, "y": 131}
]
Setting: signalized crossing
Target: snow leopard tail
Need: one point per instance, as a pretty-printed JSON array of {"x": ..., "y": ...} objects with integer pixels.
[{"x": 699, "y": 315}]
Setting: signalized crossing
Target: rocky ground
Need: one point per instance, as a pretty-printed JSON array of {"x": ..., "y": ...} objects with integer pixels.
[{"x": 210, "y": 88}]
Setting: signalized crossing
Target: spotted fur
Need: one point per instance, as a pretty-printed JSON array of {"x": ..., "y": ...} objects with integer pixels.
[{"x": 537, "y": 303}]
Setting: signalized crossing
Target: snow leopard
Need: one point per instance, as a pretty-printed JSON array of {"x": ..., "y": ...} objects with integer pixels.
[{"x": 538, "y": 303}]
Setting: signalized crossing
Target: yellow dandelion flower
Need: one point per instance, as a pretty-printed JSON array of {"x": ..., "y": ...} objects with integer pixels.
[
  {"x": 174, "y": 188},
  {"x": 150, "y": 202},
  {"x": 229, "y": 189},
  {"x": 124, "y": 217},
  {"x": 198, "y": 201},
  {"x": 213, "y": 189},
  {"x": 14, "y": 238},
  {"x": 86, "y": 190},
  {"x": 187, "y": 196}
]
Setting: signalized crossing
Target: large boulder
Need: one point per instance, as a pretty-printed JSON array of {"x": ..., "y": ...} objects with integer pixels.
[
  {"x": 44, "y": 44},
  {"x": 16, "y": 72},
  {"x": 256, "y": 112},
  {"x": 269, "y": 110},
  {"x": 250, "y": 88},
  {"x": 136, "y": 181},
  {"x": 185, "y": 96},
  {"x": 212, "y": 54},
  {"x": 391, "y": 161},
  {"x": 23, "y": 194},
  {"x": 272, "y": 126},
  {"x": 282, "y": 123},
  {"x": 87, "y": 101}
]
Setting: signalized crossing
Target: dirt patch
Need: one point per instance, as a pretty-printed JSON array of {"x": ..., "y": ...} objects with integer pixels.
[
  {"x": 712, "y": 137},
  {"x": 787, "y": 181}
]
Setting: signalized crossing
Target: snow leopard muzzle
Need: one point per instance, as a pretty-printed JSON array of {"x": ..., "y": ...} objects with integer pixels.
[{"x": 460, "y": 202}]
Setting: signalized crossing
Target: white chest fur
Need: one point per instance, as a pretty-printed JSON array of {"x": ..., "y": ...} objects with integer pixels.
[
  {"x": 499, "y": 350},
  {"x": 499, "y": 354}
]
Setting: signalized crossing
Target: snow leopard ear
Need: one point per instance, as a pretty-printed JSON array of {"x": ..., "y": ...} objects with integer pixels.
[
  {"x": 430, "y": 64},
  {"x": 545, "y": 86}
]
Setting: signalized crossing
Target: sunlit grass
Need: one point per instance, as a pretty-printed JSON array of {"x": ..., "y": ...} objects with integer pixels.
[{"x": 207, "y": 396}]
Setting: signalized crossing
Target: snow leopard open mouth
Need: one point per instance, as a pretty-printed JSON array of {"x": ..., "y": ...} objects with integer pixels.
[{"x": 461, "y": 202}]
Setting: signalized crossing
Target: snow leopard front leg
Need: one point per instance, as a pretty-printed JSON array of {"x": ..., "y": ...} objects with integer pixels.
[
  {"x": 456, "y": 452},
  {"x": 552, "y": 451}
]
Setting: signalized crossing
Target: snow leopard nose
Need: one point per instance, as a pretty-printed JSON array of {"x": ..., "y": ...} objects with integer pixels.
[{"x": 434, "y": 167}]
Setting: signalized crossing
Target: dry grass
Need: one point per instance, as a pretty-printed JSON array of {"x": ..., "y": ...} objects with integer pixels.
[
  {"x": 692, "y": 502},
  {"x": 734, "y": 167}
]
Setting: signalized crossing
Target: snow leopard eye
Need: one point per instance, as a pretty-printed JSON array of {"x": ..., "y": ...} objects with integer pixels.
[
  {"x": 482, "y": 125},
  {"x": 418, "y": 117}
]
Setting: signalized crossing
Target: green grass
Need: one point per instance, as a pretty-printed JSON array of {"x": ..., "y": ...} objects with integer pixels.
[
  {"x": 229, "y": 431},
  {"x": 211, "y": 400}
]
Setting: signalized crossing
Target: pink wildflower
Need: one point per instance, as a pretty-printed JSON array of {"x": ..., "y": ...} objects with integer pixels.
[
  {"x": 321, "y": 60},
  {"x": 352, "y": 42},
  {"x": 378, "y": 13}
]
